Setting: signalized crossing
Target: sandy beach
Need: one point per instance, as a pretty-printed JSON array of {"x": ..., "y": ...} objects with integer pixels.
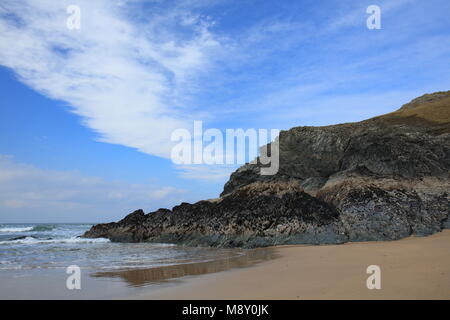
[{"x": 411, "y": 268}]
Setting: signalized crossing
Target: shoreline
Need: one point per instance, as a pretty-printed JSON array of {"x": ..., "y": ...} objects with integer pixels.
[
  {"x": 149, "y": 278},
  {"x": 411, "y": 268},
  {"x": 100, "y": 284}
]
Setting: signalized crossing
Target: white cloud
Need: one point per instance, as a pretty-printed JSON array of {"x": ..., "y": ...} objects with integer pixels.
[
  {"x": 29, "y": 193},
  {"x": 126, "y": 79},
  {"x": 209, "y": 173},
  {"x": 163, "y": 192}
]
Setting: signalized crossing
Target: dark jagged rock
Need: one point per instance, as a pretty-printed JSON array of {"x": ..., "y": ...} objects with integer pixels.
[
  {"x": 380, "y": 179},
  {"x": 255, "y": 215},
  {"x": 18, "y": 238}
]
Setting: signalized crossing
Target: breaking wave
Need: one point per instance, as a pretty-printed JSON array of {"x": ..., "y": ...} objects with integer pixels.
[
  {"x": 36, "y": 228},
  {"x": 33, "y": 240}
]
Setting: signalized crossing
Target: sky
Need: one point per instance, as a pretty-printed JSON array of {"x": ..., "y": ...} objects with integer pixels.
[{"x": 86, "y": 114}]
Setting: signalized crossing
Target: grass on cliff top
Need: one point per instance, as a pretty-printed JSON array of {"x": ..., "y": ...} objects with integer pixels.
[
  {"x": 436, "y": 111},
  {"x": 433, "y": 109},
  {"x": 430, "y": 110}
]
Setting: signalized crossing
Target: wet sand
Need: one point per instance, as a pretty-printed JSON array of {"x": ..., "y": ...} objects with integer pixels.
[
  {"x": 411, "y": 268},
  {"x": 170, "y": 274},
  {"x": 120, "y": 284}
]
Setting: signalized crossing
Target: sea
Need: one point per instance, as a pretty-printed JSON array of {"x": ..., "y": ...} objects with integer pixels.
[{"x": 35, "y": 257}]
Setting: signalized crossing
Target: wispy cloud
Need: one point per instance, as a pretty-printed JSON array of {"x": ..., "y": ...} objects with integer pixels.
[
  {"x": 28, "y": 193},
  {"x": 327, "y": 67},
  {"x": 127, "y": 79},
  {"x": 209, "y": 173}
]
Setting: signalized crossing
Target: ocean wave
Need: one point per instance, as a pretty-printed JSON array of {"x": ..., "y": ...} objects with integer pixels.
[
  {"x": 43, "y": 227},
  {"x": 36, "y": 228},
  {"x": 157, "y": 244},
  {"x": 33, "y": 240},
  {"x": 22, "y": 229}
]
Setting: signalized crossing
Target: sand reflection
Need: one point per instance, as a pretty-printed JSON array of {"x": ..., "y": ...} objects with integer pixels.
[{"x": 141, "y": 277}]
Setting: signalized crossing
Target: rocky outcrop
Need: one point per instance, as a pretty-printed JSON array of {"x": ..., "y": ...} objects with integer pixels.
[
  {"x": 410, "y": 143},
  {"x": 258, "y": 214},
  {"x": 380, "y": 179}
]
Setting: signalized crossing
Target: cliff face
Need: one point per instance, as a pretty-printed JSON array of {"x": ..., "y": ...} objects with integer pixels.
[
  {"x": 410, "y": 143},
  {"x": 380, "y": 179}
]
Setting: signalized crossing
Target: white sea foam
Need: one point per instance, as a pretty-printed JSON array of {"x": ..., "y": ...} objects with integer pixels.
[
  {"x": 23, "y": 229},
  {"x": 156, "y": 244},
  {"x": 31, "y": 240},
  {"x": 53, "y": 246}
]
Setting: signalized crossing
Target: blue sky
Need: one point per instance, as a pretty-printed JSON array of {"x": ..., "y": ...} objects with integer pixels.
[{"x": 86, "y": 115}]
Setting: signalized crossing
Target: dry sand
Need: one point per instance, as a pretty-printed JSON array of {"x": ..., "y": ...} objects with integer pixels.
[{"x": 411, "y": 268}]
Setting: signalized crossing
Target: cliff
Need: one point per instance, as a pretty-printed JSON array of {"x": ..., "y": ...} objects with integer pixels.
[{"x": 380, "y": 179}]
